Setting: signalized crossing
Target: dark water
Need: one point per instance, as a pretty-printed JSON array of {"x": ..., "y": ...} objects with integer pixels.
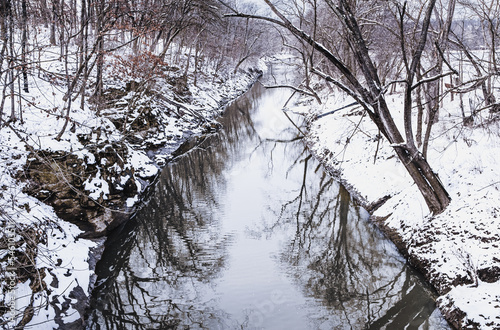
[{"x": 247, "y": 231}]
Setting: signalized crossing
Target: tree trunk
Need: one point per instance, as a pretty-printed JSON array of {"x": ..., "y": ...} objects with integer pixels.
[
  {"x": 83, "y": 49},
  {"x": 197, "y": 54},
  {"x": 23, "y": 46},
  {"x": 4, "y": 35},
  {"x": 62, "y": 27},
  {"x": 428, "y": 182},
  {"x": 420, "y": 111},
  {"x": 369, "y": 92},
  {"x": 433, "y": 191},
  {"x": 53, "y": 23},
  {"x": 12, "y": 69},
  {"x": 433, "y": 87},
  {"x": 44, "y": 12},
  {"x": 66, "y": 113},
  {"x": 100, "y": 55}
]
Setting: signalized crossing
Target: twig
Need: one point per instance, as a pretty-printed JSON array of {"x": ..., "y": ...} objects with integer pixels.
[{"x": 494, "y": 183}]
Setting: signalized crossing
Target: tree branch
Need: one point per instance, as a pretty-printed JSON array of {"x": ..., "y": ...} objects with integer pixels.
[
  {"x": 430, "y": 79},
  {"x": 333, "y": 111},
  {"x": 343, "y": 88},
  {"x": 301, "y": 35},
  {"x": 295, "y": 89}
]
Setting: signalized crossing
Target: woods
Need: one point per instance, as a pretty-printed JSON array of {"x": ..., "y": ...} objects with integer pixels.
[
  {"x": 96, "y": 36},
  {"x": 96, "y": 96},
  {"x": 366, "y": 49}
]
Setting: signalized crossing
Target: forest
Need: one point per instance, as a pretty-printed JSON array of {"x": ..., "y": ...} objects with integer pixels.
[{"x": 98, "y": 95}]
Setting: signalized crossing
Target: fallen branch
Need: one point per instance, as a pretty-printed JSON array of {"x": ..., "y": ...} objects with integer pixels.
[
  {"x": 302, "y": 91},
  {"x": 181, "y": 106},
  {"x": 333, "y": 111}
]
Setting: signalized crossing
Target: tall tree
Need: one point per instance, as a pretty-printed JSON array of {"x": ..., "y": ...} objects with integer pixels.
[
  {"x": 432, "y": 88},
  {"x": 5, "y": 16},
  {"x": 24, "y": 38},
  {"x": 367, "y": 88}
]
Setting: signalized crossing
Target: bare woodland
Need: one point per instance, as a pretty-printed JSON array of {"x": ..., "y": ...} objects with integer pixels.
[
  {"x": 425, "y": 49},
  {"x": 141, "y": 36},
  {"x": 367, "y": 48}
]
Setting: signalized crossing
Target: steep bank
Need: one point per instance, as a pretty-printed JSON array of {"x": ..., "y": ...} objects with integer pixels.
[
  {"x": 457, "y": 250},
  {"x": 61, "y": 196}
]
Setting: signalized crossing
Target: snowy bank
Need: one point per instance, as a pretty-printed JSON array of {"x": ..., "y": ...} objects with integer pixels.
[
  {"x": 95, "y": 176},
  {"x": 457, "y": 250}
]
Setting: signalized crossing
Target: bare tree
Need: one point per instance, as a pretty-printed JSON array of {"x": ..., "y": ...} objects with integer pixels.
[
  {"x": 485, "y": 13},
  {"x": 367, "y": 88},
  {"x": 24, "y": 37},
  {"x": 5, "y": 16},
  {"x": 432, "y": 88}
]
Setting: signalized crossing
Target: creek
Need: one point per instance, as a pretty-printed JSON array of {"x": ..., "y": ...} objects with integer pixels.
[{"x": 247, "y": 230}]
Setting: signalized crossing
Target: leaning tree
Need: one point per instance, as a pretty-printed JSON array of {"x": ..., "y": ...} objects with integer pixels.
[{"x": 362, "y": 80}]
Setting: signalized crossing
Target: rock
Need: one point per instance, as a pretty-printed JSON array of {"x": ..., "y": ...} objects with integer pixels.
[
  {"x": 59, "y": 179},
  {"x": 490, "y": 274},
  {"x": 130, "y": 187}
]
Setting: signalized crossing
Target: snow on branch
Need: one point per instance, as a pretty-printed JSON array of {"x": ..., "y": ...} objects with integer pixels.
[
  {"x": 302, "y": 35},
  {"x": 333, "y": 111},
  {"x": 343, "y": 87},
  {"x": 433, "y": 78}
]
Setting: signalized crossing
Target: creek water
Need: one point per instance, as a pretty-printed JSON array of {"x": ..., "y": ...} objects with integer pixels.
[{"x": 247, "y": 231}]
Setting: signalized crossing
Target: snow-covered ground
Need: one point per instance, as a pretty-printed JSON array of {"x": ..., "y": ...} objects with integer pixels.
[
  {"x": 457, "y": 250},
  {"x": 47, "y": 268}
]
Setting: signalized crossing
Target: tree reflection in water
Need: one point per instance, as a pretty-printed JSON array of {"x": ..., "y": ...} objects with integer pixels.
[
  {"x": 168, "y": 266},
  {"x": 156, "y": 269},
  {"x": 341, "y": 261}
]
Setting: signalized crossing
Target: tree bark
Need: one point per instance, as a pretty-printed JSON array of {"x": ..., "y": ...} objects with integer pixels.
[
  {"x": 84, "y": 25},
  {"x": 100, "y": 54},
  {"x": 23, "y": 45},
  {"x": 53, "y": 23},
  {"x": 12, "y": 69},
  {"x": 4, "y": 35}
]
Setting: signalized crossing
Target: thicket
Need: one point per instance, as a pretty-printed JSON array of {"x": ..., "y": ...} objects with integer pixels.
[{"x": 140, "y": 39}]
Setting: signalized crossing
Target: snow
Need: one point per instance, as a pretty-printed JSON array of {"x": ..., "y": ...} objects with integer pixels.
[
  {"x": 131, "y": 201},
  {"x": 145, "y": 168},
  {"x": 97, "y": 187},
  {"x": 455, "y": 247},
  {"x": 63, "y": 255},
  {"x": 62, "y": 262},
  {"x": 481, "y": 302},
  {"x": 66, "y": 259}
]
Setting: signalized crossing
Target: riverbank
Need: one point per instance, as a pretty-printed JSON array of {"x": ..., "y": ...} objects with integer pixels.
[
  {"x": 60, "y": 195},
  {"x": 457, "y": 250}
]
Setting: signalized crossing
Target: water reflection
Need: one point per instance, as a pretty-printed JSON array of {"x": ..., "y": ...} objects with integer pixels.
[
  {"x": 247, "y": 231},
  {"x": 347, "y": 266}
]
